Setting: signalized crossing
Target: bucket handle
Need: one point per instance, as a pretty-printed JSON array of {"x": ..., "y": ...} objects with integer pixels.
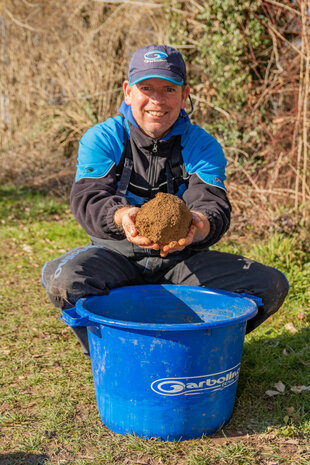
[
  {"x": 72, "y": 318},
  {"x": 255, "y": 299}
]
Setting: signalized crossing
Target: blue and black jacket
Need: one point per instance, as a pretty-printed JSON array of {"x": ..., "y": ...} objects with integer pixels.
[{"x": 187, "y": 162}]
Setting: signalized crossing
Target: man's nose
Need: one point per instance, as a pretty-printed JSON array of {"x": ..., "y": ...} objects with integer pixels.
[{"x": 157, "y": 96}]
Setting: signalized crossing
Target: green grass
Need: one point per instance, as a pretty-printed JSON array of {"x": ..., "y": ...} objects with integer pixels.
[{"x": 48, "y": 411}]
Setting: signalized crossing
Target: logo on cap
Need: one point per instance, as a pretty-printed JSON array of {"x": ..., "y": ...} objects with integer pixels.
[{"x": 155, "y": 55}]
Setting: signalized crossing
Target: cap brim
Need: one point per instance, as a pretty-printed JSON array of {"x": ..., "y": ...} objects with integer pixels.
[{"x": 174, "y": 79}]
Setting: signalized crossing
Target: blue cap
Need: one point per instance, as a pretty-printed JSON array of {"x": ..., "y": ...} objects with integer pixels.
[{"x": 157, "y": 61}]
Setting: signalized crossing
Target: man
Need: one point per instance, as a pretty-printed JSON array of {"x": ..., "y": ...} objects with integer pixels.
[{"x": 123, "y": 162}]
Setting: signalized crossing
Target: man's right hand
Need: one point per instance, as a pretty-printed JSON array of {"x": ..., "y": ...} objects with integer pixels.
[{"x": 125, "y": 219}]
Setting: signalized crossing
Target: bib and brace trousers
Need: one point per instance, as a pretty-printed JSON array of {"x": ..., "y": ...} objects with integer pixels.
[{"x": 105, "y": 264}]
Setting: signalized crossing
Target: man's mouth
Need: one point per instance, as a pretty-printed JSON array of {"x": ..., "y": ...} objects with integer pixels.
[{"x": 156, "y": 113}]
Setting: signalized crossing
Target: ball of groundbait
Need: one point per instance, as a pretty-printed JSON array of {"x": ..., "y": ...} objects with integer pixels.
[{"x": 164, "y": 219}]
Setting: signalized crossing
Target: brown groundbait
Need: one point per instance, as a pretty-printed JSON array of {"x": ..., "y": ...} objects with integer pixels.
[{"x": 164, "y": 219}]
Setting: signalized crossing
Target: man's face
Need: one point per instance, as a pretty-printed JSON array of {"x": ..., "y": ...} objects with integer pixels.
[{"x": 155, "y": 104}]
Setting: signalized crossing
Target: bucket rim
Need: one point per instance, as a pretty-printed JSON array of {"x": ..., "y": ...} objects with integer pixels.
[{"x": 103, "y": 320}]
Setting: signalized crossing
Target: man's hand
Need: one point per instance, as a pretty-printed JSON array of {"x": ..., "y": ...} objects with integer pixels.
[
  {"x": 125, "y": 219},
  {"x": 199, "y": 229}
]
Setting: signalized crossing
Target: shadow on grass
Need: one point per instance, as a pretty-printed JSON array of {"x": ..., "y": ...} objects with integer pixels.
[
  {"x": 24, "y": 203},
  {"x": 21, "y": 458},
  {"x": 55, "y": 185},
  {"x": 267, "y": 361},
  {"x": 16, "y": 194}
]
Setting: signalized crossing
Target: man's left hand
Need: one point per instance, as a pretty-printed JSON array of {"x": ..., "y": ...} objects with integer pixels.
[{"x": 199, "y": 229}]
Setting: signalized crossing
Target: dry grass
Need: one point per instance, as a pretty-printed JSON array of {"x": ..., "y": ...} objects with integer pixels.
[
  {"x": 62, "y": 67},
  {"x": 63, "y": 63}
]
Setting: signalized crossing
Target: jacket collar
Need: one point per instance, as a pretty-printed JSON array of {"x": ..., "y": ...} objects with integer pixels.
[{"x": 180, "y": 126}]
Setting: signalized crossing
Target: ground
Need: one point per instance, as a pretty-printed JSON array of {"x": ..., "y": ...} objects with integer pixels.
[{"x": 47, "y": 402}]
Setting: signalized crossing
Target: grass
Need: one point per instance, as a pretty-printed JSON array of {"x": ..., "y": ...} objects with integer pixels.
[{"x": 48, "y": 411}]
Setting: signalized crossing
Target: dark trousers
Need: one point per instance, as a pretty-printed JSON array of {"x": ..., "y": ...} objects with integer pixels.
[{"x": 95, "y": 269}]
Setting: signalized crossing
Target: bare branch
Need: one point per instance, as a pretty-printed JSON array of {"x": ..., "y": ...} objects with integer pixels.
[
  {"x": 130, "y": 2},
  {"x": 19, "y": 23},
  {"x": 272, "y": 29},
  {"x": 220, "y": 110},
  {"x": 286, "y": 7}
]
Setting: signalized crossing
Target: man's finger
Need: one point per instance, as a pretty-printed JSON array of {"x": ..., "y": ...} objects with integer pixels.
[
  {"x": 130, "y": 229},
  {"x": 148, "y": 246},
  {"x": 165, "y": 250},
  {"x": 189, "y": 238},
  {"x": 144, "y": 242},
  {"x": 141, "y": 241}
]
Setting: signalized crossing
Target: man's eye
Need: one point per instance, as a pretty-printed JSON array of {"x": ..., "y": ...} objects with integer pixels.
[
  {"x": 146, "y": 88},
  {"x": 170, "y": 89}
]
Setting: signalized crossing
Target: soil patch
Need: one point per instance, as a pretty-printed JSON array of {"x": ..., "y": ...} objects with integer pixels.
[{"x": 164, "y": 219}]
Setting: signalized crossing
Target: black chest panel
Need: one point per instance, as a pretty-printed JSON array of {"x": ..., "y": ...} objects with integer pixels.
[{"x": 149, "y": 166}]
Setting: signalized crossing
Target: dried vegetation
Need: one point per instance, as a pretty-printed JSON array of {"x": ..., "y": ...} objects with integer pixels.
[
  {"x": 62, "y": 67},
  {"x": 63, "y": 63}
]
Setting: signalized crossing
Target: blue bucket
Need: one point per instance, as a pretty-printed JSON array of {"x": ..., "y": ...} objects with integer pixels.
[{"x": 165, "y": 358}]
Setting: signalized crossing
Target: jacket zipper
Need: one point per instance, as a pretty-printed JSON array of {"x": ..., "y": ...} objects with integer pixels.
[{"x": 152, "y": 166}]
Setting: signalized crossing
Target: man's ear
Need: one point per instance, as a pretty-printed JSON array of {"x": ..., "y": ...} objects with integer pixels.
[
  {"x": 127, "y": 92},
  {"x": 186, "y": 91}
]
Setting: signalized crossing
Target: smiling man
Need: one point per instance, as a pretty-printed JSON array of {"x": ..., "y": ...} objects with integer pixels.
[
  {"x": 155, "y": 104},
  {"x": 151, "y": 147}
]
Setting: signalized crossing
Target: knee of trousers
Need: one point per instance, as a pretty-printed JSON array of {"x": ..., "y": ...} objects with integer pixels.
[
  {"x": 58, "y": 290},
  {"x": 276, "y": 289},
  {"x": 273, "y": 293},
  {"x": 66, "y": 288}
]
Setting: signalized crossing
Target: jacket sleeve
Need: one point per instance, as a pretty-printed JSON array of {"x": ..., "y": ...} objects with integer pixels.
[
  {"x": 93, "y": 196},
  {"x": 205, "y": 162},
  {"x": 212, "y": 201},
  {"x": 94, "y": 202}
]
